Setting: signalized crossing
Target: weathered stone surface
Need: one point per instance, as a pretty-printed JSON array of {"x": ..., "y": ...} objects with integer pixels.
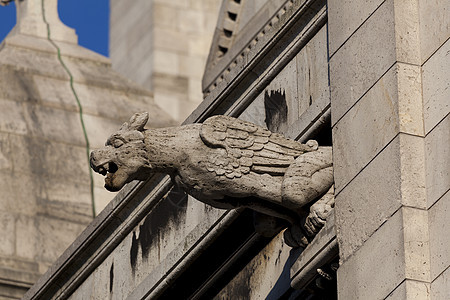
[
  {"x": 411, "y": 289},
  {"x": 416, "y": 244},
  {"x": 14, "y": 120},
  {"x": 265, "y": 273},
  {"x": 392, "y": 105},
  {"x": 434, "y": 25},
  {"x": 413, "y": 181},
  {"x": 7, "y": 225},
  {"x": 437, "y": 149},
  {"x": 377, "y": 114},
  {"x": 162, "y": 239},
  {"x": 440, "y": 287},
  {"x": 370, "y": 278},
  {"x": 312, "y": 70},
  {"x": 407, "y": 39},
  {"x": 244, "y": 160},
  {"x": 49, "y": 159},
  {"x": 436, "y": 91},
  {"x": 409, "y": 99},
  {"x": 361, "y": 207},
  {"x": 363, "y": 60},
  {"x": 346, "y": 17},
  {"x": 55, "y": 92},
  {"x": 63, "y": 121},
  {"x": 439, "y": 239}
]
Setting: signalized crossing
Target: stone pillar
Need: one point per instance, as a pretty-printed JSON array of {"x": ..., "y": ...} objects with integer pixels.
[
  {"x": 30, "y": 16},
  {"x": 391, "y": 141}
]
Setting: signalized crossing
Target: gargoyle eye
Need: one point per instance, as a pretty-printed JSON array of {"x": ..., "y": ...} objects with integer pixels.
[{"x": 117, "y": 143}]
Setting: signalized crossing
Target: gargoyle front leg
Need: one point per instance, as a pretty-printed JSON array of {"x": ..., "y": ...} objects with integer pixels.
[{"x": 319, "y": 212}]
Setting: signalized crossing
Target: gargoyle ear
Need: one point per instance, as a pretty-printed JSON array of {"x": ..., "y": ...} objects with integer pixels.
[
  {"x": 124, "y": 126},
  {"x": 138, "y": 121}
]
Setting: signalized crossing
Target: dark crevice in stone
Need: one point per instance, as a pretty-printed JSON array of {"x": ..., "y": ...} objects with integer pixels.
[
  {"x": 111, "y": 278},
  {"x": 276, "y": 110}
]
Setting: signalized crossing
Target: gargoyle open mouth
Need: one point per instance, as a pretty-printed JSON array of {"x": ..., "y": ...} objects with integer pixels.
[{"x": 106, "y": 168}]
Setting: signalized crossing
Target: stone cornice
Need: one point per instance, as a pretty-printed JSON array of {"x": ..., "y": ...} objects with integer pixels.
[{"x": 244, "y": 77}]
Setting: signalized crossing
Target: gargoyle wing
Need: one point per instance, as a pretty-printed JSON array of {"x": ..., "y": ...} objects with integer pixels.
[{"x": 244, "y": 147}]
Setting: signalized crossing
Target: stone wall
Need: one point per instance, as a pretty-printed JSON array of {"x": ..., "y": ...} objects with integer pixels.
[
  {"x": 163, "y": 45},
  {"x": 388, "y": 115}
]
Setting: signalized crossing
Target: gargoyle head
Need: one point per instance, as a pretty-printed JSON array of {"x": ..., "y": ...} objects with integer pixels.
[{"x": 124, "y": 157}]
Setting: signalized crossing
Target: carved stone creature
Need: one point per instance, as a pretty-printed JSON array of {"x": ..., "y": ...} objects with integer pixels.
[{"x": 227, "y": 163}]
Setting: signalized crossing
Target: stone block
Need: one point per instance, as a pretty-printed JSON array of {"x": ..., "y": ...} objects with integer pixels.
[
  {"x": 190, "y": 21},
  {"x": 164, "y": 16},
  {"x": 436, "y": 87},
  {"x": 141, "y": 50},
  {"x": 412, "y": 160},
  {"x": 51, "y": 246},
  {"x": 437, "y": 151},
  {"x": 16, "y": 198},
  {"x": 440, "y": 287},
  {"x": 407, "y": 32},
  {"x": 13, "y": 121},
  {"x": 25, "y": 62},
  {"x": 255, "y": 112},
  {"x": 439, "y": 237},
  {"x": 376, "y": 114},
  {"x": 50, "y": 159},
  {"x": 27, "y": 238},
  {"x": 171, "y": 83},
  {"x": 368, "y": 200},
  {"x": 191, "y": 66},
  {"x": 286, "y": 84},
  {"x": 84, "y": 291},
  {"x": 362, "y": 60},
  {"x": 170, "y": 40},
  {"x": 54, "y": 124},
  {"x": 6, "y": 160},
  {"x": 411, "y": 289},
  {"x": 16, "y": 85},
  {"x": 416, "y": 244},
  {"x": 170, "y": 102},
  {"x": 434, "y": 25},
  {"x": 409, "y": 99},
  {"x": 195, "y": 91},
  {"x": 205, "y": 5},
  {"x": 55, "y": 92},
  {"x": 186, "y": 108},
  {"x": 166, "y": 62},
  {"x": 103, "y": 280},
  {"x": 377, "y": 268},
  {"x": 266, "y": 276},
  {"x": 312, "y": 70},
  {"x": 200, "y": 45},
  {"x": 143, "y": 72},
  {"x": 7, "y": 232},
  {"x": 174, "y": 3},
  {"x": 102, "y": 198},
  {"x": 344, "y": 18}
]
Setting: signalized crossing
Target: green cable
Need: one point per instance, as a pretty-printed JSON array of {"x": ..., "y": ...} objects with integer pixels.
[{"x": 80, "y": 108}]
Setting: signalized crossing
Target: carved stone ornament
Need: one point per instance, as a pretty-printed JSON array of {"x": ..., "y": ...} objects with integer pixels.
[{"x": 228, "y": 163}]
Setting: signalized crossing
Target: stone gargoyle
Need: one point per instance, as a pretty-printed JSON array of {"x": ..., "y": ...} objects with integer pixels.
[{"x": 228, "y": 163}]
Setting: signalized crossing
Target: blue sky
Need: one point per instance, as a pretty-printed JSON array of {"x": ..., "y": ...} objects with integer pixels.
[{"x": 89, "y": 18}]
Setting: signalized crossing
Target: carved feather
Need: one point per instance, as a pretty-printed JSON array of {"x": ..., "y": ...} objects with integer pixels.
[{"x": 248, "y": 147}]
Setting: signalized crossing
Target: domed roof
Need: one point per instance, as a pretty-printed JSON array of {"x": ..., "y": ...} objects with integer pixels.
[{"x": 58, "y": 101}]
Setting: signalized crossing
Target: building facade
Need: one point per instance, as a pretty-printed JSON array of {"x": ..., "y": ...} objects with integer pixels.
[{"x": 370, "y": 80}]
